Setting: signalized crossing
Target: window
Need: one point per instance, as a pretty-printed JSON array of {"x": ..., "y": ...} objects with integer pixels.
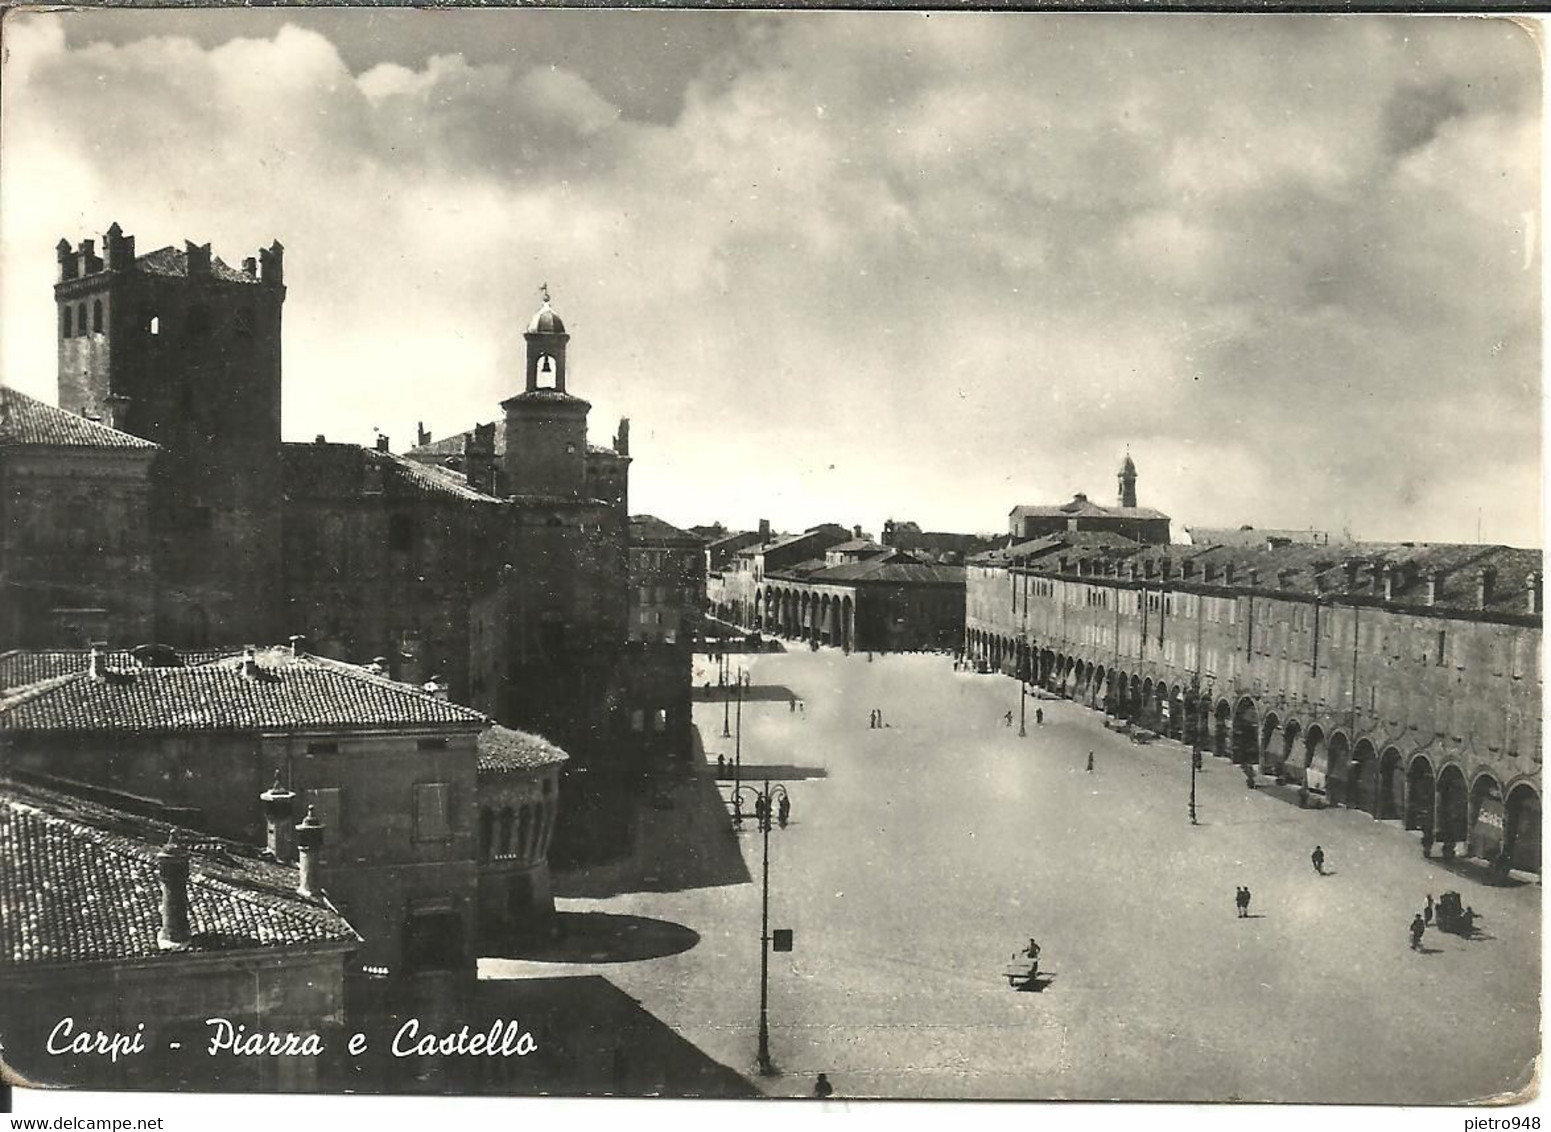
[
  {"x": 432, "y": 812},
  {"x": 65, "y": 321},
  {"x": 80, "y": 319},
  {"x": 660, "y": 720},
  {"x": 97, "y": 317},
  {"x": 155, "y": 325},
  {"x": 1441, "y": 654}
]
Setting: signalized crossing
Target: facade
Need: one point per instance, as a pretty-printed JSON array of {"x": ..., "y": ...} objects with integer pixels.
[
  {"x": 387, "y": 770},
  {"x": 885, "y": 603},
  {"x": 103, "y": 911},
  {"x": 76, "y": 559},
  {"x": 1403, "y": 680},
  {"x": 942, "y": 547},
  {"x": 730, "y": 592},
  {"x": 519, "y": 802}
]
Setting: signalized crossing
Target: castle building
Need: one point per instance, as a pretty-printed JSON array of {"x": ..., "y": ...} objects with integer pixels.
[
  {"x": 494, "y": 562},
  {"x": 1402, "y": 680}
]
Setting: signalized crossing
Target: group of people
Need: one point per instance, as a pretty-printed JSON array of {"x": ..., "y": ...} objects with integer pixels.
[{"x": 875, "y": 719}]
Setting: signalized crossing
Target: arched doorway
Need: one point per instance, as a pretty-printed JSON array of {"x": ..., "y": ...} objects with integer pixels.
[
  {"x": 1363, "y": 793},
  {"x": 1523, "y": 831},
  {"x": 1391, "y": 799},
  {"x": 1316, "y": 761},
  {"x": 1420, "y": 790},
  {"x": 1222, "y": 718},
  {"x": 1453, "y": 807},
  {"x": 1337, "y": 755},
  {"x": 1134, "y": 701},
  {"x": 1246, "y": 733},
  {"x": 1270, "y": 749},
  {"x": 1292, "y": 753}
]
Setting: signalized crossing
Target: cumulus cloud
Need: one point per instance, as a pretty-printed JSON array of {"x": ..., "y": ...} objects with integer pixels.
[{"x": 849, "y": 265}]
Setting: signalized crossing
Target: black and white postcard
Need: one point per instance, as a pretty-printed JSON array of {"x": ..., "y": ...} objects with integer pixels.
[{"x": 772, "y": 554}]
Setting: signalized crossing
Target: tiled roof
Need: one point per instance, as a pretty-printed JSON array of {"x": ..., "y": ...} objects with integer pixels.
[
  {"x": 501, "y": 750},
  {"x": 851, "y": 546},
  {"x": 890, "y": 572},
  {"x": 1083, "y": 508},
  {"x": 287, "y": 694},
  {"x": 320, "y": 469},
  {"x": 555, "y": 396},
  {"x": 1259, "y": 536},
  {"x": 173, "y": 262},
  {"x": 21, "y": 667},
  {"x": 81, "y": 884},
  {"x": 1304, "y": 569},
  {"x": 649, "y": 530},
  {"x": 27, "y": 422}
]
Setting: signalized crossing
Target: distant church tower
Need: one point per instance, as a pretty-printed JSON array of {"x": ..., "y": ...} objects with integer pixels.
[
  {"x": 546, "y": 427},
  {"x": 178, "y": 348},
  {"x": 1128, "y": 482}
]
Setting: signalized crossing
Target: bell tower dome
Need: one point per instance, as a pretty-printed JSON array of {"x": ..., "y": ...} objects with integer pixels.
[{"x": 546, "y": 427}]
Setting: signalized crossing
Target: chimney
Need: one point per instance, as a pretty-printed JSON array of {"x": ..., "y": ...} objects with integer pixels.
[
  {"x": 1062, "y": 564},
  {"x": 382, "y": 442},
  {"x": 1254, "y": 575},
  {"x": 320, "y": 439},
  {"x": 250, "y": 267},
  {"x": 378, "y": 666},
  {"x": 198, "y": 258},
  {"x": 856, "y": 531},
  {"x": 309, "y": 847},
  {"x": 1187, "y": 569},
  {"x": 435, "y": 687},
  {"x": 622, "y": 437},
  {"x": 422, "y": 434},
  {"x": 764, "y": 530},
  {"x": 250, "y": 664},
  {"x": 97, "y": 665},
  {"x": 1284, "y": 579},
  {"x": 1387, "y": 577},
  {"x": 116, "y": 410},
  {"x": 172, "y": 865},
  {"x": 1486, "y": 582},
  {"x": 1532, "y": 584},
  {"x": 1228, "y": 572},
  {"x": 1430, "y": 594},
  {"x": 272, "y": 265},
  {"x": 296, "y": 644},
  {"x": 279, "y": 822},
  {"x": 1166, "y": 568},
  {"x": 68, "y": 266}
]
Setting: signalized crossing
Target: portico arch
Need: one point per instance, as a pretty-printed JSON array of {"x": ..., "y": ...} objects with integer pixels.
[
  {"x": 1246, "y": 733},
  {"x": 1337, "y": 754},
  {"x": 1364, "y": 790},
  {"x": 1522, "y": 837}
]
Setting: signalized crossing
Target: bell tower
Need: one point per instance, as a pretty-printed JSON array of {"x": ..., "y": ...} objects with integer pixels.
[
  {"x": 546, "y": 427},
  {"x": 1128, "y": 481}
]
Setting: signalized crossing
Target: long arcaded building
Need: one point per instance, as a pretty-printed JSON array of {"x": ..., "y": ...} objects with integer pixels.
[{"x": 1403, "y": 680}]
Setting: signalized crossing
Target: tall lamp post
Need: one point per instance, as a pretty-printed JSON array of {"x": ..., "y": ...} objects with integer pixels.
[
  {"x": 766, "y": 800},
  {"x": 1023, "y": 696},
  {"x": 737, "y": 743},
  {"x": 722, "y": 679}
]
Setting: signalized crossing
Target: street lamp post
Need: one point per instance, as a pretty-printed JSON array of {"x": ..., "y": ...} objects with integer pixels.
[
  {"x": 726, "y": 669},
  {"x": 764, "y": 802},
  {"x": 737, "y": 744},
  {"x": 1023, "y": 704},
  {"x": 1195, "y": 763}
]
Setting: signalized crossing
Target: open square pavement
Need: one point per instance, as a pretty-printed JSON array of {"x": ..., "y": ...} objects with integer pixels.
[{"x": 922, "y": 855}]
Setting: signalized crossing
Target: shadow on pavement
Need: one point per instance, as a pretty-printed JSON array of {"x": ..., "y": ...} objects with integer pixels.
[
  {"x": 777, "y": 771},
  {"x": 680, "y": 840},
  {"x": 756, "y": 693},
  {"x": 602, "y": 937},
  {"x": 589, "y": 1038}
]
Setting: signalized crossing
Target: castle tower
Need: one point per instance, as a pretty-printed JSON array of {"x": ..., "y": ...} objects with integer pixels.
[
  {"x": 546, "y": 427},
  {"x": 178, "y": 348},
  {"x": 1128, "y": 481}
]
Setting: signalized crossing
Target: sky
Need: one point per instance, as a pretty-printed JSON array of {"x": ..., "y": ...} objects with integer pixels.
[{"x": 849, "y": 266}]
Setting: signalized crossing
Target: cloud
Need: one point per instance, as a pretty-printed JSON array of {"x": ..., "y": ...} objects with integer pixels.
[{"x": 963, "y": 258}]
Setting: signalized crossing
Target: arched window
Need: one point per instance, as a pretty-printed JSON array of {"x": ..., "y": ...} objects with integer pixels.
[
  {"x": 64, "y": 329},
  {"x": 154, "y": 325},
  {"x": 97, "y": 316},
  {"x": 80, "y": 319}
]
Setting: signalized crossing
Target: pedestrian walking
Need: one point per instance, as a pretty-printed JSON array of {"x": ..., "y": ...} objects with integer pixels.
[
  {"x": 1090, "y": 762},
  {"x": 802, "y": 708},
  {"x": 721, "y": 765},
  {"x": 880, "y": 717},
  {"x": 1427, "y": 913},
  {"x": 822, "y": 1088},
  {"x": 872, "y": 719},
  {"x": 1241, "y": 899},
  {"x": 1247, "y": 898},
  {"x": 1418, "y": 926},
  {"x": 784, "y": 811},
  {"x": 1007, "y": 719},
  {"x": 1318, "y": 857},
  {"x": 1039, "y": 717},
  {"x": 792, "y": 705},
  {"x": 1427, "y": 843}
]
